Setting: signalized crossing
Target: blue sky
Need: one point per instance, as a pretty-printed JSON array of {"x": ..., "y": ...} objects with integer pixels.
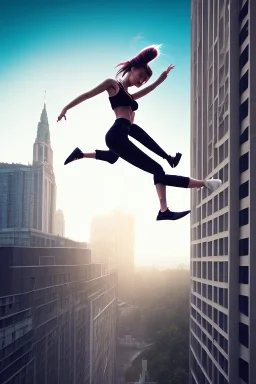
[{"x": 67, "y": 47}]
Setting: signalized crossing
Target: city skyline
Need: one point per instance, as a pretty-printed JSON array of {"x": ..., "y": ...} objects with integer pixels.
[
  {"x": 28, "y": 192},
  {"x": 65, "y": 64}
]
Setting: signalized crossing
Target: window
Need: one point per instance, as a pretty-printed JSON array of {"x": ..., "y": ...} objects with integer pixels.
[
  {"x": 215, "y": 294},
  {"x": 209, "y": 270},
  {"x": 221, "y": 247},
  {"x": 243, "y": 111},
  {"x": 244, "y": 136},
  {"x": 244, "y": 12},
  {"x": 204, "y": 290},
  {"x": 226, "y": 225},
  {"x": 223, "y": 321},
  {"x": 244, "y": 190},
  {"x": 215, "y": 271},
  {"x": 209, "y": 313},
  {"x": 226, "y": 197},
  {"x": 243, "y": 34},
  {"x": 221, "y": 299},
  {"x": 221, "y": 223},
  {"x": 243, "y": 275},
  {"x": 204, "y": 308},
  {"x": 244, "y": 162},
  {"x": 215, "y": 316},
  {"x": 215, "y": 247},
  {"x": 225, "y": 297},
  {"x": 244, "y": 57},
  {"x": 244, "y": 247},
  {"x": 243, "y": 217},
  {"x": 244, "y": 370},
  {"x": 209, "y": 230},
  {"x": 204, "y": 270},
  {"x": 222, "y": 379},
  {"x": 221, "y": 271},
  {"x": 209, "y": 345},
  {"x": 244, "y": 305},
  {"x": 244, "y": 334},
  {"x": 226, "y": 238},
  {"x": 215, "y": 204},
  {"x": 243, "y": 84},
  {"x": 210, "y": 292},
  {"x": 225, "y": 173},
  {"x": 215, "y": 229}
]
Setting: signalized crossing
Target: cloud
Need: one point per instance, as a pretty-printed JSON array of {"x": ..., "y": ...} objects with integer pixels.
[{"x": 136, "y": 39}]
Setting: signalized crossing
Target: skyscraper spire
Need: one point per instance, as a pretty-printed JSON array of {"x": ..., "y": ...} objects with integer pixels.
[
  {"x": 42, "y": 151},
  {"x": 43, "y": 131}
]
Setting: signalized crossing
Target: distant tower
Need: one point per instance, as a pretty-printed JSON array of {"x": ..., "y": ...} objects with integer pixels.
[
  {"x": 42, "y": 151},
  {"x": 44, "y": 185},
  {"x": 28, "y": 193},
  {"x": 59, "y": 223}
]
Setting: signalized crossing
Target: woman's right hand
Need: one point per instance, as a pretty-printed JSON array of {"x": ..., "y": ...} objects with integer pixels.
[{"x": 63, "y": 114}]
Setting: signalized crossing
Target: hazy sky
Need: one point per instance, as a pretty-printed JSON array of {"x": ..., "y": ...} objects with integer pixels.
[{"x": 67, "y": 47}]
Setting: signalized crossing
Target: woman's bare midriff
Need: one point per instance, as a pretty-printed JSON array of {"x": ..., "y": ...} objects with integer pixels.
[
  {"x": 120, "y": 112},
  {"x": 125, "y": 113}
]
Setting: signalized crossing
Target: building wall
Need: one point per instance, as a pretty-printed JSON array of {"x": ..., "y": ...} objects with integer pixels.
[
  {"x": 223, "y": 79},
  {"x": 45, "y": 199},
  {"x": 16, "y": 196},
  {"x": 27, "y": 197},
  {"x": 46, "y": 328},
  {"x": 33, "y": 238},
  {"x": 59, "y": 223}
]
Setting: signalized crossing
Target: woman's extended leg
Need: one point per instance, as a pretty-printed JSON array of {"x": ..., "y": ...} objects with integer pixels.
[
  {"x": 142, "y": 137},
  {"x": 117, "y": 140}
]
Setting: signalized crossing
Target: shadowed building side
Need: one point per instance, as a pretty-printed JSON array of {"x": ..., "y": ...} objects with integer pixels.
[
  {"x": 57, "y": 317},
  {"x": 223, "y": 223}
]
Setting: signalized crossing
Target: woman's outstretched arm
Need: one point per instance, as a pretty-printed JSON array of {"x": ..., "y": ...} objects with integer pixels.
[
  {"x": 104, "y": 86},
  {"x": 152, "y": 86}
]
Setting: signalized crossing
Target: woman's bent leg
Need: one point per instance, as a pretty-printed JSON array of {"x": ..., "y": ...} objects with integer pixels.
[
  {"x": 109, "y": 156},
  {"x": 119, "y": 142}
]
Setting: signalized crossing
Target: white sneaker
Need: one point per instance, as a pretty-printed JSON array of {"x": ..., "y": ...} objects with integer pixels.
[{"x": 213, "y": 184}]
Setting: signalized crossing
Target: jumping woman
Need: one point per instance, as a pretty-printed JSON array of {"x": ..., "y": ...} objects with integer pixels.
[{"x": 136, "y": 72}]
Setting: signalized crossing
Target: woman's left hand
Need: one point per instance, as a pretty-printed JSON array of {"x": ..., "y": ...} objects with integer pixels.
[{"x": 164, "y": 75}]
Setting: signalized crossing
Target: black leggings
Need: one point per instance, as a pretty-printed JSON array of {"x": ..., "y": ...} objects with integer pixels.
[{"x": 120, "y": 146}]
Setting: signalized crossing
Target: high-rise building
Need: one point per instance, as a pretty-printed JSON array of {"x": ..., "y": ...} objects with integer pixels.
[
  {"x": 223, "y": 223},
  {"x": 59, "y": 223},
  {"x": 16, "y": 196},
  {"x": 28, "y": 193},
  {"x": 57, "y": 317},
  {"x": 44, "y": 185},
  {"x": 112, "y": 242}
]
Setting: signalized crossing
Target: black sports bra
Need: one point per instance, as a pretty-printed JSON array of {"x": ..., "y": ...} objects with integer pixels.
[{"x": 123, "y": 99}]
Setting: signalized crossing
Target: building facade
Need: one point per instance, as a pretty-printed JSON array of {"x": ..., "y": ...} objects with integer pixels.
[
  {"x": 223, "y": 223},
  {"x": 57, "y": 317},
  {"x": 59, "y": 223},
  {"x": 44, "y": 185},
  {"x": 16, "y": 196},
  {"x": 28, "y": 193},
  {"x": 26, "y": 237}
]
